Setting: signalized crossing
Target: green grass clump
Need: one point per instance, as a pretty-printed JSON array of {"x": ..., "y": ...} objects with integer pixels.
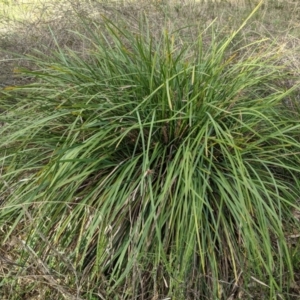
[{"x": 153, "y": 168}]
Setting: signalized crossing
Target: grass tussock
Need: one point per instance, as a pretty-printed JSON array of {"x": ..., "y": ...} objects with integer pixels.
[{"x": 152, "y": 166}]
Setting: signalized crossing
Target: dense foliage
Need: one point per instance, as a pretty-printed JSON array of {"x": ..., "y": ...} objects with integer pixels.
[{"x": 152, "y": 167}]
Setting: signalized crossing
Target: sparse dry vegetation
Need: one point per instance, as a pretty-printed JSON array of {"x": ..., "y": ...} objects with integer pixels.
[{"x": 149, "y": 149}]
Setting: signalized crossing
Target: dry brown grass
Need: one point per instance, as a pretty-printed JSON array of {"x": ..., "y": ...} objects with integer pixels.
[{"x": 26, "y": 27}]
